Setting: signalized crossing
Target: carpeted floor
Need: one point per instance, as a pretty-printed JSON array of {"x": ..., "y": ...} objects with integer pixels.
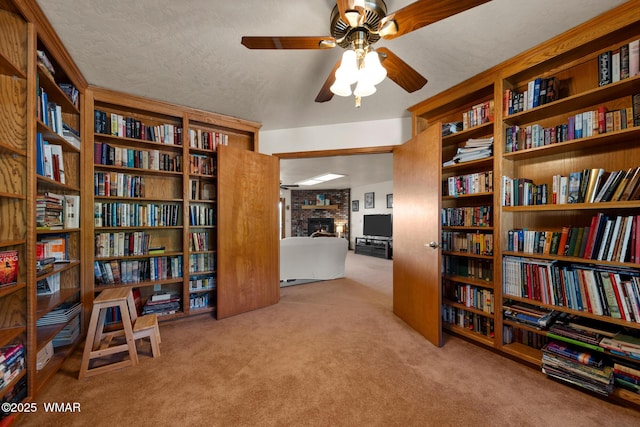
[{"x": 329, "y": 354}]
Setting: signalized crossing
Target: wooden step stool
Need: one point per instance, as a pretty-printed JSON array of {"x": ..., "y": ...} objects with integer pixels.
[
  {"x": 144, "y": 326},
  {"x": 98, "y": 342}
]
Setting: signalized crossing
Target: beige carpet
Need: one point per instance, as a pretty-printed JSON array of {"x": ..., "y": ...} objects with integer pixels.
[{"x": 329, "y": 354}]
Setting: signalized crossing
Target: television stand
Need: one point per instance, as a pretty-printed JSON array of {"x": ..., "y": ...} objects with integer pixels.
[{"x": 378, "y": 247}]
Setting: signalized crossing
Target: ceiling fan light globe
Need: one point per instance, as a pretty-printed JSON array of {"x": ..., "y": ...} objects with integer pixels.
[
  {"x": 374, "y": 72},
  {"x": 348, "y": 70},
  {"x": 340, "y": 88},
  {"x": 364, "y": 88}
]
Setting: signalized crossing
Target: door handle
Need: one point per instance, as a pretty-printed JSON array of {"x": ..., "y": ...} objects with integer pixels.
[{"x": 432, "y": 245}]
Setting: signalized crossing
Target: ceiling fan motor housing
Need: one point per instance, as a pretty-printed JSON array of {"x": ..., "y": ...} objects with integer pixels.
[{"x": 366, "y": 33}]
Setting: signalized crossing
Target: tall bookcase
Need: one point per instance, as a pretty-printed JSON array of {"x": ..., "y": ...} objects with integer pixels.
[
  {"x": 14, "y": 189},
  {"x": 572, "y": 61},
  {"x": 42, "y": 97},
  {"x": 156, "y": 202}
]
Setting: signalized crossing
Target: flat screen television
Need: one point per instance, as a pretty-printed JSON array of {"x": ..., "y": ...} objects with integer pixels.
[{"x": 379, "y": 225}]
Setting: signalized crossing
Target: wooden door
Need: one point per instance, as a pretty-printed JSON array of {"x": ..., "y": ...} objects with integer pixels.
[
  {"x": 417, "y": 288},
  {"x": 248, "y": 266}
]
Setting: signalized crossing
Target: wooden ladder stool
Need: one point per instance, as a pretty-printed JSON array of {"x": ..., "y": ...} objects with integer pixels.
[
  {"x": 98, "y": 342},
  {"x": 145, "y": 326}
]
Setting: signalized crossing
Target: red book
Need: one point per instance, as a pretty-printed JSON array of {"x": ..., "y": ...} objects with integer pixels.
[
  {"x": 584, "y": 292},
  {"x": 593, "y": 231},
  {"x": 564, "y": 235},
  {"x": 601, "y": 119}
]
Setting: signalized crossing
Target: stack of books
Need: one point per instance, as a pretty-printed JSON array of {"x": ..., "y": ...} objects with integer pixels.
[
  {"x": 623, "y": 344},
  {"x": 584, "y": 369},
  {"x": 61, "y": 314},
  {"x": 627, "y": 376},
  {"x": 162, "y": 304},
  {"x": 529, "y": 315},
  {"x": 474, "y": 149},
  {"x": 69, "y": 334}
]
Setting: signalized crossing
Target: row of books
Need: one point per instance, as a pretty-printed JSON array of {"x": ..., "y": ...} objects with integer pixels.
[
  {"x": 619, "y": 64},
  {"x": 202, "y": 215},
  {"x": 470, "y": 296},
  {"x": 9, "y": 263},
  {"x": 523, "y": 192},
  {"x": 202, "y": 283},
  {"x": 57, "y": 211},
  {"x": 613, "y": 292},
  {"x": 594, "y": 185},
  {"x": 538, "y": 92},
  {"x": 117, "y": 184},
  {"x": 207, "y": 140},
  {"x": 610, "y": 239},
  {"x": 465, "y": 319},
  {"x": 199, "y": 241},
  {"x": 119, "y": 214},
  {"x": 528, "y": 338},
  {"x": 137, "y": 271},
  {"x": 202, "y": 262},
  {"x": 121, "y": 244},
  {"x": 49, "y": 160},
  {"x": 474, "y": 183},
  {"x": 202, "y": 190},
  {"x": 72, "y": 93},
  {"x": 49, "y": 113},
  {"x": 469, "y": 216},
  {"x": 53, "y": 246},
  {"x": 474, "y": 149},
  {"x": 107, "y": 154},
  {"x": 202, "y": 165},
  {"x": 467, "y": 267},
  {"x": 478, "y": 114},
  {"x": 11, "y": 363},
  {"x": 582, "y": 125},
  {"x": 470, "y": 243},
  {"x": 129, "y": 127},
  {"x": 199, "y": 300}
]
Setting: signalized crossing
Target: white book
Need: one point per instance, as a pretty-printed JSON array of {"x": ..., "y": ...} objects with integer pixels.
[
  {"x": 564, "y": 188},
  {"x": 626, "y": 236},
  {"x": 71, "y": 211},
  {"x": 615, "y": 67}
]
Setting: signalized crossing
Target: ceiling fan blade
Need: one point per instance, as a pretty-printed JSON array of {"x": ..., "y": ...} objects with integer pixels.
[
  {"x": 326, "y": 42},
  {"x": 325, "y": 93},
  {"x": 400, "y": 72},
  {"x": 422, "y": 13},
  {"x": 351, "y": 11}
]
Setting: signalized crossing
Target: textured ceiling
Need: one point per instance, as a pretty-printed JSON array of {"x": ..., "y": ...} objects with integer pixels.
[{"x": 189, "y": 52}]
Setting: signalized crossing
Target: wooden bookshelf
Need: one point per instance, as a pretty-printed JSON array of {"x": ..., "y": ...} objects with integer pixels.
[
  {"x": 572, "y": 58},
  {"x": 15, "y": 191}
]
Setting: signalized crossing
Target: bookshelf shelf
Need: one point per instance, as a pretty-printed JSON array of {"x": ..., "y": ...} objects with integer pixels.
[
  {"x": 474, "y": 336},
  {"x": 46, "y": 303},
  {"x": 467, "y": 255},
  {"x": 8, "y": 68},
  {"x": 470, "y": 281}
]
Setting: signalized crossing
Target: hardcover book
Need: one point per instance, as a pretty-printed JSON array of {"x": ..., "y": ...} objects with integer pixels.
[{"x": 8, "y": 268}]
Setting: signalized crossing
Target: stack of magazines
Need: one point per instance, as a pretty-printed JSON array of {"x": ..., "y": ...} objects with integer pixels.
[
  {"x": 584, "y": 369},
  {"x": 474, "y": 149}
]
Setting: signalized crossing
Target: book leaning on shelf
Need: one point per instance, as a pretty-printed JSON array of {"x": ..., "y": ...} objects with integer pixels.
[{"x": 8, "y": 267}]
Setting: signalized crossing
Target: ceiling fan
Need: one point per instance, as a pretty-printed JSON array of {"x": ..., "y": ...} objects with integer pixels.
[
  {"x": 288, "y": 186},
  {"x": 356, "y": 25}
]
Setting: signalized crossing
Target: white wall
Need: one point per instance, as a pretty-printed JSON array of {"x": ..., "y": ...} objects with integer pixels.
[
  {"x": 380, "y": 191},
  {"x": 333, "y": 137}
]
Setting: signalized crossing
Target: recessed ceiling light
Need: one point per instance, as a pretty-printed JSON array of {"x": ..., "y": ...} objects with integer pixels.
[{"x": 320, "y": 178}]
